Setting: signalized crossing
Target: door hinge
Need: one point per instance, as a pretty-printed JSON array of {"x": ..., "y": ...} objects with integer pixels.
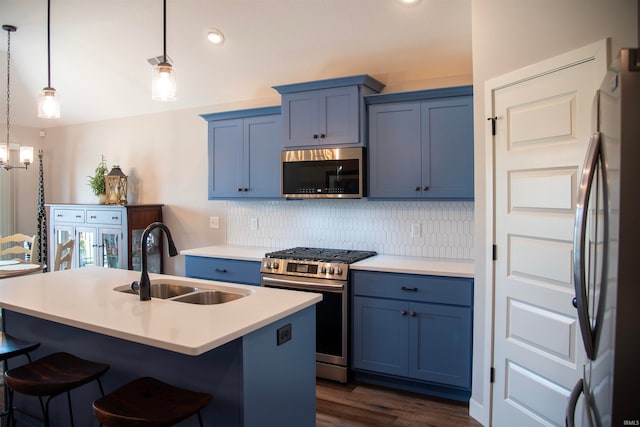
[
  {"x": 494, "y": 255},
  {"x": 493, "y": 124},
  {"x": 492, "y": 375}
]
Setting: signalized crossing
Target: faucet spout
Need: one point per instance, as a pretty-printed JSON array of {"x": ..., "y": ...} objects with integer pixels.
[{"x": 144, "y": 285}]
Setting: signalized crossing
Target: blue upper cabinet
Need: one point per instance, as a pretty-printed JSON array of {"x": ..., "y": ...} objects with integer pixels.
[
  {"x": 421, "y": 144},
  {"x": 244, "y": 153},
  {"x": 326, "y": 112}
]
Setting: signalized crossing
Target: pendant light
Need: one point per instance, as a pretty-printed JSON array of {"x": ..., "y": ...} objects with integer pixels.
[
  {"x": 163, "y": 81},
  {"x": 26, "y": 153},
  {"x": 48, "y": 99}
]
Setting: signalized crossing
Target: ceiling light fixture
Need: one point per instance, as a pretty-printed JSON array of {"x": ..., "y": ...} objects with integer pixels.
[
  {"x": 215, "y": 36},
  {"x": 163, "y": 81},
  {"x": 48, "y": 99},
  {"x": 409, "y": 2},
  {"x": 26, "y": 153}
]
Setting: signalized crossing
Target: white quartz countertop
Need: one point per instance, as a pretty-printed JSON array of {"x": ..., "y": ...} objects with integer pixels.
[
  {"x": 244, "y": 253},
  {"x": 384, "y": 263},
  {"x": 85, "y": 298},
  {"x": 416, "y": 265}
]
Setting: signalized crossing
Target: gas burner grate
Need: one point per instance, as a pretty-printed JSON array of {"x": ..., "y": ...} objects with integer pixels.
[{"x": 345, "y": 256}]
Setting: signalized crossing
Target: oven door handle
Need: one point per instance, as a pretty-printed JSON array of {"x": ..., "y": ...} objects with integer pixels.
[{"x": 287, "y": 283}]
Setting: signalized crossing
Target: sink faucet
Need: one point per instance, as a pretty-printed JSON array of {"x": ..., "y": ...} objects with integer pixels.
[{"x": 143, "y": 286}]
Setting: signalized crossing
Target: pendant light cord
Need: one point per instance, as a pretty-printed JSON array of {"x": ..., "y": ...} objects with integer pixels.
[
  {"x": 8, "y": 87},
  {"x": 164, "y": 31},
  {"x": 49, "y": 43}
]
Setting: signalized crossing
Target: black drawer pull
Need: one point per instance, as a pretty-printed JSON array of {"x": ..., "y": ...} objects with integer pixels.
[
  {"x": 403, "y": 312},
  {"x": 404, "y": 288},
  {"x": 221, "y": 270},
  {"x": 412, "y": 314}
]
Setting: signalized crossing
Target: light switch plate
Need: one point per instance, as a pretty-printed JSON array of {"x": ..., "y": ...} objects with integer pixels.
[{"x": 214, "y": 222}]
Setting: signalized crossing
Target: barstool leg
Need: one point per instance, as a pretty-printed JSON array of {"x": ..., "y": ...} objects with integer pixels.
[
  {"x": 200, "y": 419},
  {"x": 70, "y": 409}
]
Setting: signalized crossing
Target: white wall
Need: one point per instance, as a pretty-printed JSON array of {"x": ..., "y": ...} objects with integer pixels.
[{"x": 508, "y": 35}]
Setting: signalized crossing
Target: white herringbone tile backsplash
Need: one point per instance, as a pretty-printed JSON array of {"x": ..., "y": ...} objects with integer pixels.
[{"x": 427, "y": 229}]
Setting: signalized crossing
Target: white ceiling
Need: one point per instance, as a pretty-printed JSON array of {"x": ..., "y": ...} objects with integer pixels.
[{"x": 99, "y": 50}]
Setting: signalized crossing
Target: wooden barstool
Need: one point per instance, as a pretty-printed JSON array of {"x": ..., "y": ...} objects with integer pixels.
[
  {"x": 148, "y": 402},
  {"x": 50, "y": 376},
  {"x": 11, "y": 347}
]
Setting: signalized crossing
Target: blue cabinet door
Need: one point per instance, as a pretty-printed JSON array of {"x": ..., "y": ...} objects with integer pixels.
[
  {"x": 321, "y": 117},
  {"x": 222, "y": 269},
  {"x": 440, "y": 344},
  {"x": 263, "y": 140},
  {"x": 300, "y": 118},
  {"x": 225, "y": 150},
  {"x": 421, "y": 148},
  {"x": 395, "y": 150},
  {"x": 339, "y": 116},
  {"x": 244, "y": 157},
  {"x": 380, "y": 335},
  {"x": 447, "y": 153}
]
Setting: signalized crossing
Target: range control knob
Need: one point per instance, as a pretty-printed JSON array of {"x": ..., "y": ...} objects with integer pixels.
[
  {"x": 323, "y": 269},
  {"x": 330, "y": 270},
  {"x": 275, "y": 265},
  {"x": 338, "y": 270}
]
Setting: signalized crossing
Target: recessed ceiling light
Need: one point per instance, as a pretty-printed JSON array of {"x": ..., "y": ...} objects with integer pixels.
[
  {"x": 409, "y": 2},
  {"x": 215, "y": 36}
]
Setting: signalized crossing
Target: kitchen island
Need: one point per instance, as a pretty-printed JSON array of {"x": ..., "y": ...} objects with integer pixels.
[{"x": 255, "y": 355}]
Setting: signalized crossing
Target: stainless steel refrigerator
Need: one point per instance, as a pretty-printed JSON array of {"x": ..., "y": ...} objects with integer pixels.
[{"x": 607, "y": 256}]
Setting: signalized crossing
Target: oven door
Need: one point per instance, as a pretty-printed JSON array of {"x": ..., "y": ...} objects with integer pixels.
[{"x": 331, "y": 313}]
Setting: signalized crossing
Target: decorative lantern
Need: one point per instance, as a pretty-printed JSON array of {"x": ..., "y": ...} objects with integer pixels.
[{"x": 115, "y": 183}]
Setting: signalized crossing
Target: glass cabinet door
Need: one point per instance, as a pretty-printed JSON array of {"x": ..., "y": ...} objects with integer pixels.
[
  {"x": 62, "y": 234},
  {"x": 87, "y": 246},
  {"x": 154, "y": 253},
  {"x": 110, "y": 247}
]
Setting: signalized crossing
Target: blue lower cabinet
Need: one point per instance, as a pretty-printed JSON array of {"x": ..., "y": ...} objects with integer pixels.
[
  {"x": 401, "y": 341},
  {"x": 223, "y": 270}
]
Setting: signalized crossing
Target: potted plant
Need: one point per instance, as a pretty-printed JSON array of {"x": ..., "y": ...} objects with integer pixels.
[{"x": 96, "y": 182}]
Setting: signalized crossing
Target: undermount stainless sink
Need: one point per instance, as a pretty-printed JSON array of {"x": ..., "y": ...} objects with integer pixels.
[
  {"x": 185, "y": 293},
  {"x": 209, "y": 297},
  {"x": 161, "y": 290}
]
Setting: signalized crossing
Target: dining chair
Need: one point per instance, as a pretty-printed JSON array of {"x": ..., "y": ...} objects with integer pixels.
[
  {"x": 64, "y": 253},
  {"x": 15, "y": 245}
]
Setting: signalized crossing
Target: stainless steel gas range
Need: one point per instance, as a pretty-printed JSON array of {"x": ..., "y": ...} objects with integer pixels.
[{"x": 324, "y": 271}]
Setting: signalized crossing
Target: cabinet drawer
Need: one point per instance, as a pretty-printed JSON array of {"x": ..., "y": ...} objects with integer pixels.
[
  {"x": 68, "y": 215},
  {"x": 413, "y": 287},
  {"x": 104, "y": 217},
  {"x": 225, "y": 270}
]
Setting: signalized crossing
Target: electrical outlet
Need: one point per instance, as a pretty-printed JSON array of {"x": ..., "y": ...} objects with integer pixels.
[
  {"x": 214, "y": 222},
  {"x": 416, "y": 229},
  {"x": 284, "y": 334},
  {"x": 253, "y": 224}
]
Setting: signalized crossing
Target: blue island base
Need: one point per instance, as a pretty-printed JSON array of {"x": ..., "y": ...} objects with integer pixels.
[{"x": 254, "y": 381}]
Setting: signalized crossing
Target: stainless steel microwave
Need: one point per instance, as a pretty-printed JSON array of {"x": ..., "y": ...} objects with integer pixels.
[{"x": 323, "y": 173}]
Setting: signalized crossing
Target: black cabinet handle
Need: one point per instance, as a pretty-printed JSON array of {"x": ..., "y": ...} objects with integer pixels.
[
  {"x": 315, "y": 136},
  {"x": 417, "y": 188},
  {"x": 413, "y": 314},
  {"x": 404, "y": 288},
  {"x": 322, "y": 135},
  {"x": 574, "y": 301},
  {"x": 403, "y": 312},
  {"x": 221, "y": 270},
  {"x": 425, "y": 188}
]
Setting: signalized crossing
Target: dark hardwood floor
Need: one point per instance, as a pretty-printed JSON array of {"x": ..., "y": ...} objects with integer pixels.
[{"x": 359, "y": 405}]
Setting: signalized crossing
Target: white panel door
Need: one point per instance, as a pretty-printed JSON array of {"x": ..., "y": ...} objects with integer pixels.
[{"x": 543, "y": 125}]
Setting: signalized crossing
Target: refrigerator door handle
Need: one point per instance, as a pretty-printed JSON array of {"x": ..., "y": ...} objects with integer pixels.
[
  {"x": 579, "y": 243},
  {"x": 573, "y": 402}
]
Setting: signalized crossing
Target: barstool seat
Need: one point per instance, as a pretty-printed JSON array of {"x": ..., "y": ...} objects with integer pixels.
[
  {"x": 11, "y": 346},
  {"x": 52, "y": 375},
  {"x": 148, "y": 402}
]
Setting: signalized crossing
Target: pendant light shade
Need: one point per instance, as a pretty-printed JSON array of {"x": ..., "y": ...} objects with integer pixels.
[
  {"x": 163, "y": 83},
  {"x": 163, "y": 80},
  {"x": 48, "y": 104},
  {"x": 48, "y": 99}
]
